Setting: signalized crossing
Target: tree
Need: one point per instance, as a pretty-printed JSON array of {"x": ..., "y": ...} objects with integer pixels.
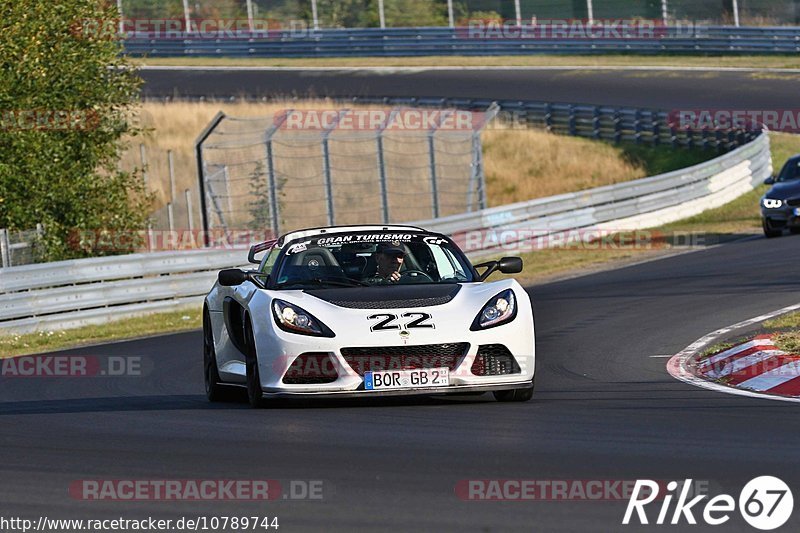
[{"x": 67, "y": 97}]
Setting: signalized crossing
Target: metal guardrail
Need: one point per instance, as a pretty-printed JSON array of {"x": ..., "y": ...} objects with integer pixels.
[
  {"x": 635, "y": 204},
  {"x": 461, "y": 41},
  {"x": 80, "y": 292}
]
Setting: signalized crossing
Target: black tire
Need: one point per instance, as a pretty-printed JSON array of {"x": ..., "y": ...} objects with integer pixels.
[
  {"x": 794, "y": 230},
  {"x": 514, "y": 395},
  {"x": 255, "y": 396},
  {"x": 215, "y": 391},
  {"x": 769, "y": 233}
]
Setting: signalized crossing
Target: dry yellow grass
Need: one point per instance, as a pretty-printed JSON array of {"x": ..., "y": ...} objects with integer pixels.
[
  {"x": 520, "y": 164},
  {"x": 524, "y": 164}
]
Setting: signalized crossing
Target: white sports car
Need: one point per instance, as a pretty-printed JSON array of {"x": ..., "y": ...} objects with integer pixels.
[{"x": 367, "y": 310}]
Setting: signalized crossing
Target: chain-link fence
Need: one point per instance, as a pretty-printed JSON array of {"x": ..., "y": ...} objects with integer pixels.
[
  {"x": 304, "y": 168},
  {"x": 19, "y": 247},
  {"x": 276, "y": 14}
]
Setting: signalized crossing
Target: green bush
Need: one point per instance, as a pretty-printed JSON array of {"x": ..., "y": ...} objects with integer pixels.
[{"x": 66, "y": 101}]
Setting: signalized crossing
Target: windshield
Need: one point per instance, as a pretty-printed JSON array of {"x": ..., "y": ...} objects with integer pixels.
[
  {"x": 364, "y": 259},
  {"x": 790, "y": 171}
]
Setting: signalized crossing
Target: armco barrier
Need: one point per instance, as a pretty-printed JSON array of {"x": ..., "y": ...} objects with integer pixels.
[
  {"x": 641, "y": 203},
  {"x": 67, "y": 294},
  {"x": 460, "y": 41}
]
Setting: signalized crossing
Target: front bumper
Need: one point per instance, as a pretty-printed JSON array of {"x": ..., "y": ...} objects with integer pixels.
[
  {"x": 452, "y": 389},
  {"x": 781, "y": 218}
]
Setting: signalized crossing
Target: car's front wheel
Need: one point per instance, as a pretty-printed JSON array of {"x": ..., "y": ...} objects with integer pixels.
[
  {"x": 769, "y": 232},
  {"x": 255, "y": 396},
  {"x": 514, "y": 395}
]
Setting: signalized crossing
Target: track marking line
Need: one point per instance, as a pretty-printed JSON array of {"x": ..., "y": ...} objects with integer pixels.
[
  {"x": 414, "y": 69},
  {"x": 678, "y": 366}
]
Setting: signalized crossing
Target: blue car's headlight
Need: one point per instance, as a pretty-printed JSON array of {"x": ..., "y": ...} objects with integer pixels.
[
  {"x": 499, "y": 310},
  {"x": 771, "y": 203},
  {"x": 295, "y": 319}
]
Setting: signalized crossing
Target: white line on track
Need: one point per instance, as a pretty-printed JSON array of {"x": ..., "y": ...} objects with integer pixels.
[
  {"x": 678, "y": 367},
  {"x": 392, "y": 70}
]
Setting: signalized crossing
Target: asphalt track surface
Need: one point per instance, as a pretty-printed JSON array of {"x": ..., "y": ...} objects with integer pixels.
[
  {"x": 604, "y": 409},
  {"x": 661, "y": 89}
]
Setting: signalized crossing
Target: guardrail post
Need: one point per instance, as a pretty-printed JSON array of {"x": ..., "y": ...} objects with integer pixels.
[
  {"x": 326, "y": 167},
  {"x": 637, "y": 126},
  {"x": 704, "y": 137},
  {"x": 673, "y": 136},
  {"x": 596, "y": 122},
  {"x": 572, "y": 130},
  {"x": 4, "y": 248},
  {"x": 617, "y": 126},
  {"x": 655, "y": 130},
  {"x": 548, "y": 118}
]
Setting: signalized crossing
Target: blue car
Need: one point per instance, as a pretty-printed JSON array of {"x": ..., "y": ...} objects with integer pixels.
[{"x": 780, "y": 206}]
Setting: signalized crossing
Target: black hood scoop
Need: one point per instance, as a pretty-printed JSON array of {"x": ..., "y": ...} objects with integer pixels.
[{"x": 388, "y": 297}]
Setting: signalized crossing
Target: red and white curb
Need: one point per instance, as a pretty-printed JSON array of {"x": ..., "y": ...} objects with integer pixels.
[{"x": 755, "y": 368}]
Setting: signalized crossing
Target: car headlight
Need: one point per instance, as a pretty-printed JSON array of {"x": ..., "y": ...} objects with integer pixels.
[
  {"x": 499, "y": 310},
  {"x": 297, "y": 320},
  {"x": 771, "y": 203}
]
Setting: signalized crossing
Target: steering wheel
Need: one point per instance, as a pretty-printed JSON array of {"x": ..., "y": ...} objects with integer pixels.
[{"x": 413, "y": 275}]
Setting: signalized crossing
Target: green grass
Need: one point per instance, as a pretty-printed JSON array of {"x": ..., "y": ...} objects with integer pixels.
[
  {"x": 788, "y": 341},
  {"x": 777, "y": 62},
  {"x": 43, "y": 341},
  {"x": 716, "y": 348},
  {"x": 789, "y": 320},
  {"x": 660, "y": 159}
]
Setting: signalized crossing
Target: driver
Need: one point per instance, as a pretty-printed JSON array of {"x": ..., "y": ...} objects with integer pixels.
[{"x": 389, "y": 257}]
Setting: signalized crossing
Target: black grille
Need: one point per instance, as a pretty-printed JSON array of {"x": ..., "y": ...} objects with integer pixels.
[
  {"x": 393, "y": 304},
  {"x": 494, "y": 360},
  {"x": 311, "y": 369},
  {"x": 794, "y": 202},
  {"x": 378, "y": 358}
]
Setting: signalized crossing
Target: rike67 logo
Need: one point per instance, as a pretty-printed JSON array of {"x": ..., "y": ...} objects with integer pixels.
[{"x": 765, "y": 503}]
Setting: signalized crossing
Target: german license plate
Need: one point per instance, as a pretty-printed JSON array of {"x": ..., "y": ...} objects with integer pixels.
[{"x": 407, "y": 379}]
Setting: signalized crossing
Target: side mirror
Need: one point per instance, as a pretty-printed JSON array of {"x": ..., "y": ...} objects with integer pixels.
[
  {"x": 510, "y": 265},
  {"x": 506, "y": 265},
  {"x": 232, "y": 277},
  {"x": 770, "y": 181}
]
